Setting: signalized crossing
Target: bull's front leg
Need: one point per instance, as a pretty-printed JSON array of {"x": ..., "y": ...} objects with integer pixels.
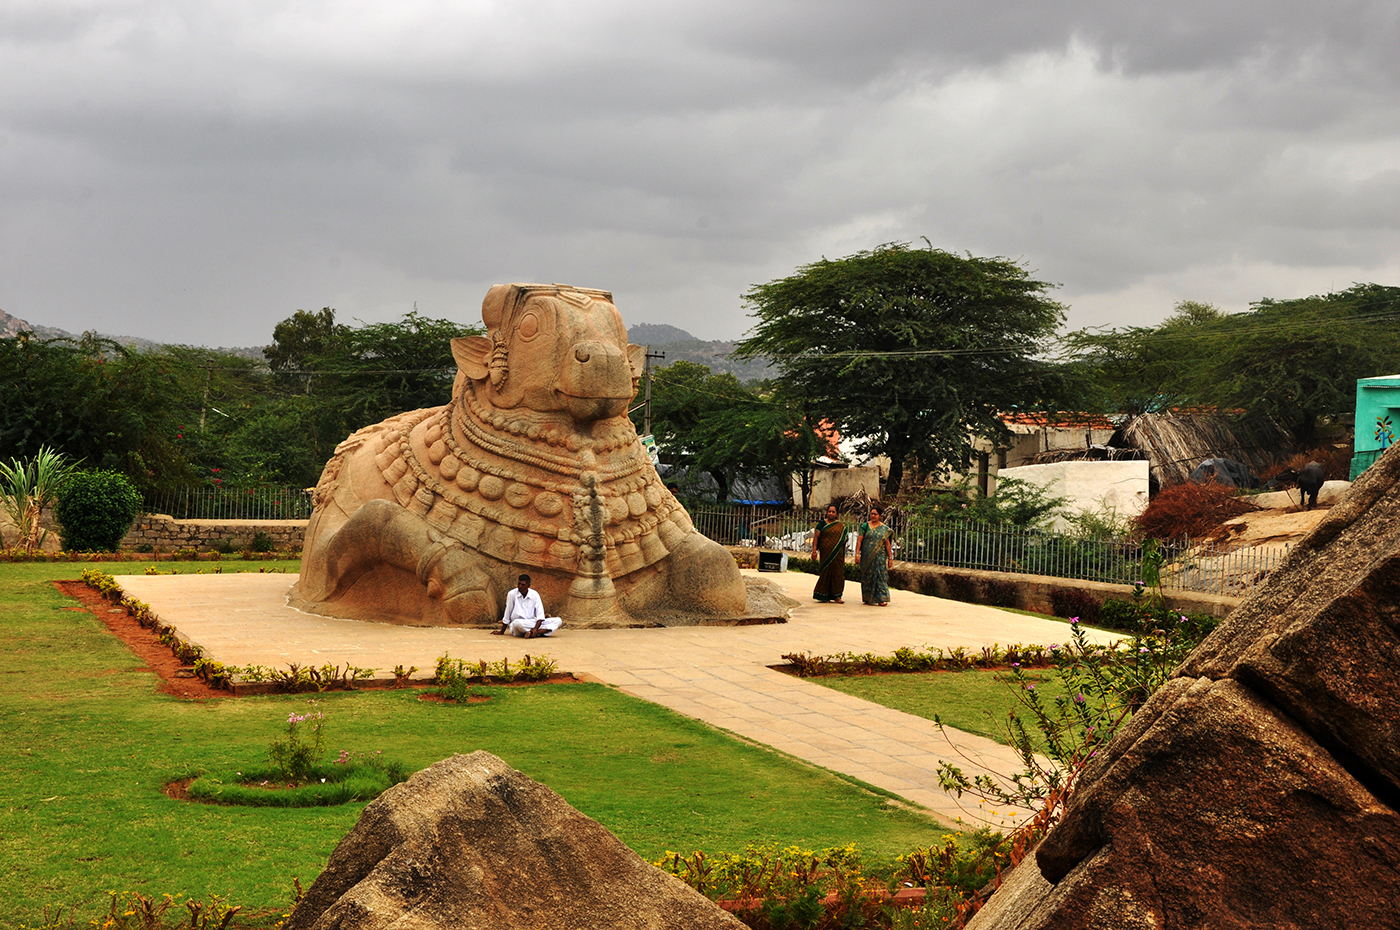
[{"x": 383, "y": 533}]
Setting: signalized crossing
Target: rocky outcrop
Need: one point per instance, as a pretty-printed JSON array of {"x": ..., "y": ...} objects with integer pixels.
[
  {"x": 1260, "y": 787},
  {"x": 471, "y": 844}
]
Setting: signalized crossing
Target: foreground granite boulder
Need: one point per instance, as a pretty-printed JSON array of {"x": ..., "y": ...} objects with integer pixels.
[
  {"x": 1260, "y": 787},
  {"x": 471, "y": 843}
]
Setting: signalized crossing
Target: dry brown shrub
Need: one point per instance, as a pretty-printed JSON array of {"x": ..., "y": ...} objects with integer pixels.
[
  {"x": 1336, "y": 464},
  {"x": 1193, "y": 510}
]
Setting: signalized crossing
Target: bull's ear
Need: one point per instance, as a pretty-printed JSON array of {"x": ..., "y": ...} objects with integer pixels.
[
  {"x": 637, "y": 355},
  {"x": 472, "y": 353}
]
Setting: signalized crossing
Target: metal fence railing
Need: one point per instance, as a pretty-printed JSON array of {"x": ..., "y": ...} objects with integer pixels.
[
  {"x": 206, "y": 503},
  {"x": 1190, "y": 566}
]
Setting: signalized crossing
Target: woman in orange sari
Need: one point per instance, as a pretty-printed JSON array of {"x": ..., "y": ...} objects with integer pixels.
[{"x": 829, "y": 552}]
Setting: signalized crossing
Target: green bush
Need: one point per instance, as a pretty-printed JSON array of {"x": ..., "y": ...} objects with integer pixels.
[{"x": 95, "y": 509}]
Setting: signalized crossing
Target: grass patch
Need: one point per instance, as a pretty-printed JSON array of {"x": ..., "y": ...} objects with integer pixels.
[
  {"x": 325, "y": 786},
  {"x": 90, "y": 745},
  {"x": 973, "y": 701}
]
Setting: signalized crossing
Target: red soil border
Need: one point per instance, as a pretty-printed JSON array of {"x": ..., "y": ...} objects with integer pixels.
[
  {"x": 143, "y": 642},
  {"x": 159, "y": 659}
]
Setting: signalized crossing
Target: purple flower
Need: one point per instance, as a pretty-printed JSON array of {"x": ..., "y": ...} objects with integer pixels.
[
  {"x": 1015, "y": 664},
  {"x": 1073, "y": 619},
  {"x": 1079, "y": 699}
]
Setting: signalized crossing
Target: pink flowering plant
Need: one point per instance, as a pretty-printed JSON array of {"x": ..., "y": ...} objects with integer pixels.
[
  {"x": 295, "y": 754},
  {"x": 297, "y": 776}
]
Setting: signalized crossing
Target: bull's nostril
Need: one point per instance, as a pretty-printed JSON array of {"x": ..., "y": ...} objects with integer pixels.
[{"x": 581, "y": 354}]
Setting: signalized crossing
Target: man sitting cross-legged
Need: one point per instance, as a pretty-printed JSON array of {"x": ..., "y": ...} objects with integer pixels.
[{"x": 524, "y": 614}]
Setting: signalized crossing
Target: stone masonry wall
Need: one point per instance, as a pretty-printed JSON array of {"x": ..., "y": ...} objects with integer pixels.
[
  {"x": 1031, "y": 592},
  {"x": 166, "y": 534}
]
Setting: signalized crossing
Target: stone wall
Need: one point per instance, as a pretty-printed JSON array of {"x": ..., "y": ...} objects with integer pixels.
[
  {"x": 1034, "y": 592},
  {"x": 166, "y": 534},
  {"x": 1002, "y": 589}
]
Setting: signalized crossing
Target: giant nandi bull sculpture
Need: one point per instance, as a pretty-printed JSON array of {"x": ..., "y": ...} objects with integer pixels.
[{"x": 427, "y": 518}]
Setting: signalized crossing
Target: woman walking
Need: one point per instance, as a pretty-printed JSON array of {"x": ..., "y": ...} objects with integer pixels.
[
  {"x": 829, "y": 552},
  {"x": 874, "y": 552}
]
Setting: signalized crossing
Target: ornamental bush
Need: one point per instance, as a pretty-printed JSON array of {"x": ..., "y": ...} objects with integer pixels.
[{"x": 95, "y": 509}]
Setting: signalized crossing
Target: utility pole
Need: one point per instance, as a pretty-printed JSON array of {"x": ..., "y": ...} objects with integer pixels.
[{"x": 646, "y": 402}]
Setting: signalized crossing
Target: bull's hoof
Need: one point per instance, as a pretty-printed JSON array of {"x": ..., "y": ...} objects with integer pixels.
[{"x": 470, "y": 608}]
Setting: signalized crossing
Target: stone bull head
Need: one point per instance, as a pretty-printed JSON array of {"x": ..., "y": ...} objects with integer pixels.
[
  {"x": 551, "y": 350},
  {"x": 427, "y": 518}
]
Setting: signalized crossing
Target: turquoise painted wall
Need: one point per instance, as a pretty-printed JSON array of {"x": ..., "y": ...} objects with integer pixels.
[{"x": 1377, "y": 420}]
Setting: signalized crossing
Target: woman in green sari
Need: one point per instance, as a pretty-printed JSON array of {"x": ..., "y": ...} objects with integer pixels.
[
  {"x": 829, "y": 552},
  {"x": 874, "y": 552}
]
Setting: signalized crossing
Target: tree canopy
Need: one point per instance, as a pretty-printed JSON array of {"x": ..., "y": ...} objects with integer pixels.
[
  {"x": 913, "y": 351},
  {"x": 714, "y": 424},
  {"x": 1294, "y": 361},
  {"x": 181, "y": 415}
]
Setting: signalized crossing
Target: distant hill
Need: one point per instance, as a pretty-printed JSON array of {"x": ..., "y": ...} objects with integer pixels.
[
  {"x": 677, "y": 344},
  {"x": 674, "y": 342},
  {"x": 11, "y": 326}
]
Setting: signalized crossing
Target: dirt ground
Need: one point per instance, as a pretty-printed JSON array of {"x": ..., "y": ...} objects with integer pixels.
[
  {"x": 1271, "y": 527},
  {"x": 145, "y": 643}
]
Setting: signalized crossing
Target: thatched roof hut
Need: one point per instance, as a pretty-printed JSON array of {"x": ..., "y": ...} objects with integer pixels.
[{"x": 1175, "y": 443}]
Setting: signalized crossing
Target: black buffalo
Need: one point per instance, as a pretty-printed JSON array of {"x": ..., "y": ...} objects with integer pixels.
[{"x": 1309, "y": 479}]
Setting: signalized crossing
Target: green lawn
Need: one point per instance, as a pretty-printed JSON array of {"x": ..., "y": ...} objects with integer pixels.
[
  {"x": 974, "y": 701},
  {"x": 88, "y": 744}
]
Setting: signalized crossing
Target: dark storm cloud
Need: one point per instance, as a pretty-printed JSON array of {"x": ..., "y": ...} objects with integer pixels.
[{"x": 195, "y": 172}]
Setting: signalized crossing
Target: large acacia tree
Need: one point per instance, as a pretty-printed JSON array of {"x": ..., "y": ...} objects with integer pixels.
[
  {"x": 1294, "y": 362},
  {"x": 914, "y": 351}
]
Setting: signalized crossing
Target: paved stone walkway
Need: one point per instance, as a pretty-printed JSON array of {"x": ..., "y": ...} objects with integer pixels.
[{"x": 718, "y": 674}]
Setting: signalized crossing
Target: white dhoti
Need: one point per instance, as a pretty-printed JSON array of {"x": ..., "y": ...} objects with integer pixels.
[{"x": 548, "y": 625}]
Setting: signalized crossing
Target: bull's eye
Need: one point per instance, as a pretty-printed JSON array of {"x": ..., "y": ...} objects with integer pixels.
[{"x": 528, "y": 327}]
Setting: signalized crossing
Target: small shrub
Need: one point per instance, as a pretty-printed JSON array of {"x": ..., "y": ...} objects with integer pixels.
[
  {"x": 95, "y": 510},
  {"x": 262, "y": 543},
  {"x": 1072, "y": 602},
  {"x": 294, "y": 755},
  {"x": 1121, "y": 615},
  {"x": 224, "y": 546}
]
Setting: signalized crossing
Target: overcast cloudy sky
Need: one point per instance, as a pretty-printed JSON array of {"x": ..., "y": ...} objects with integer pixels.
[{"x": 195, "y": 170}]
